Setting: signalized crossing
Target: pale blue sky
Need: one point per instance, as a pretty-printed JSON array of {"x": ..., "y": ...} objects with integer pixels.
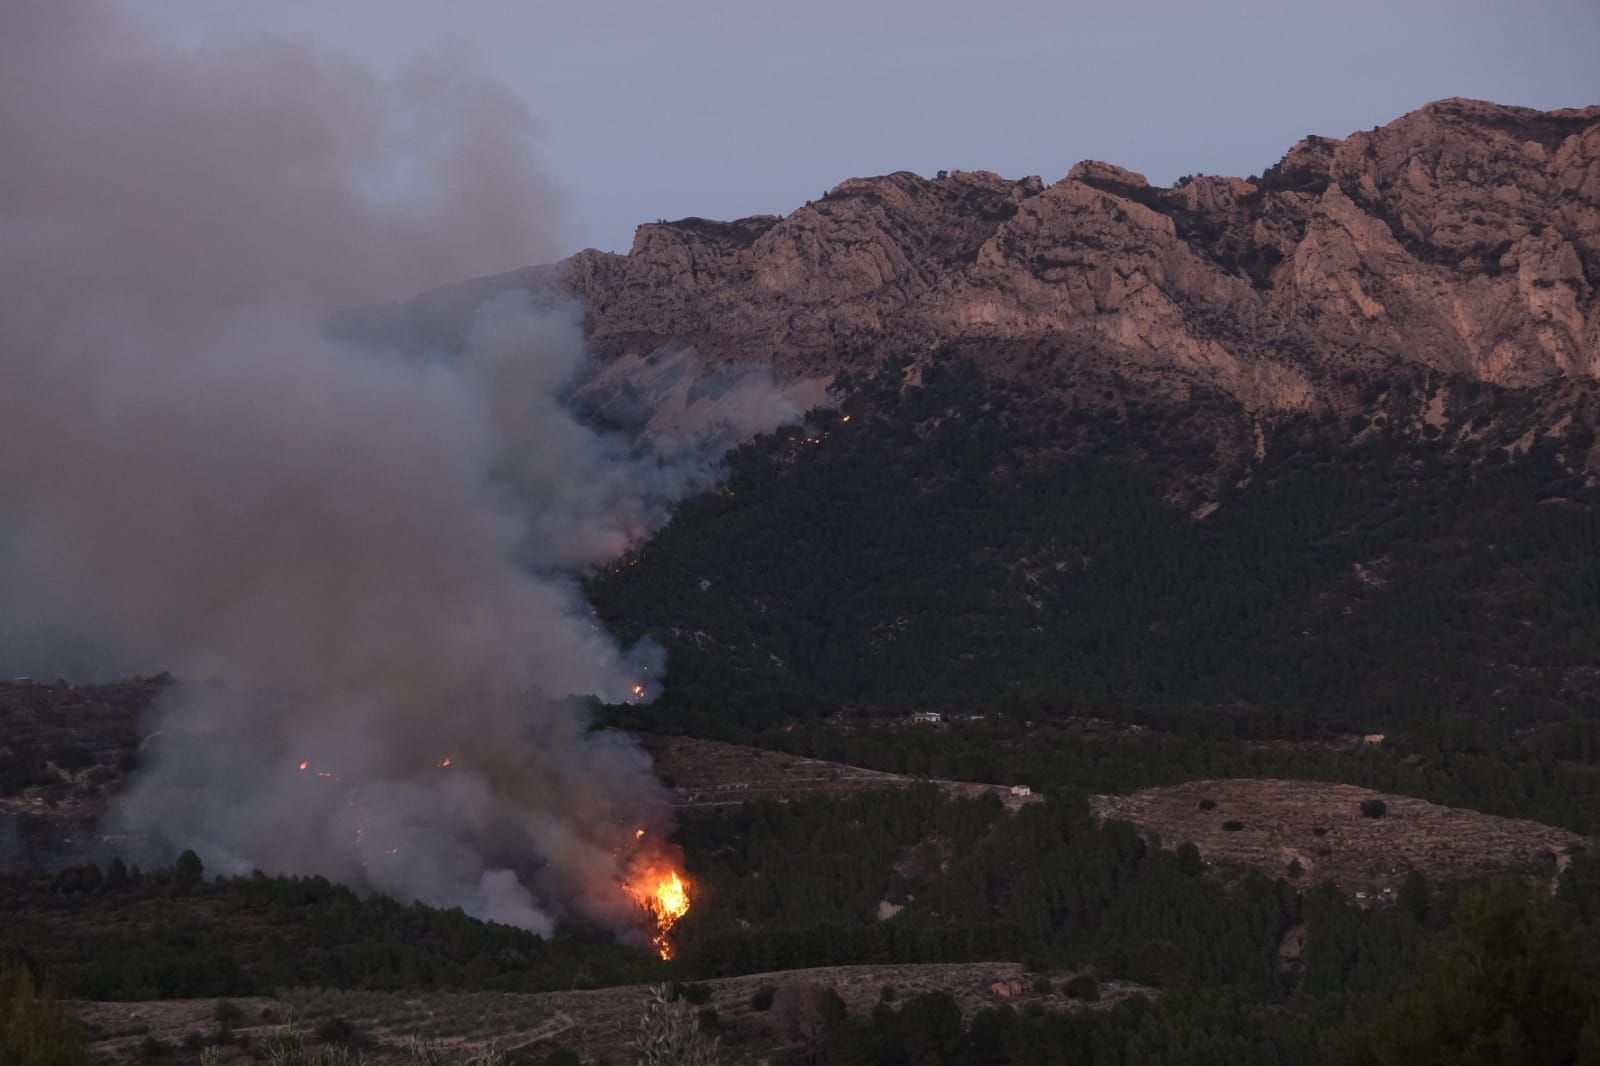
[{"x": 707, "y": 107}]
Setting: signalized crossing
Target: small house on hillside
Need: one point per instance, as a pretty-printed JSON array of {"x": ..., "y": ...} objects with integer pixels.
[{"x": 926, "y": 717}]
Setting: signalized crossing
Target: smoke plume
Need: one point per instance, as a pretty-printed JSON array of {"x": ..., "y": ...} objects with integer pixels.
[{"x": 358, "y": 547}]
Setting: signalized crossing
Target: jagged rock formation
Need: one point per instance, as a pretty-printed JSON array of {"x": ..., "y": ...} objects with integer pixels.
[{"x": 1463, "y": 237}]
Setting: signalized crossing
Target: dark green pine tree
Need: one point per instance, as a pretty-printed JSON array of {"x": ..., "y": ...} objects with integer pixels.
[{"x": 1506, "y": 988}]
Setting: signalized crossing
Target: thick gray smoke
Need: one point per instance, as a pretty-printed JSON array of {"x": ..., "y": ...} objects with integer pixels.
[{"x": 360, "y": 554}]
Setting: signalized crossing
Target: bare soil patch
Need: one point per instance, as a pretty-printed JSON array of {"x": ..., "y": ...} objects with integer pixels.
[
  {"x": 599, "y": 1024},
  {"x": 1272, "y": 824},
  {"x": 710, "y": 773}
]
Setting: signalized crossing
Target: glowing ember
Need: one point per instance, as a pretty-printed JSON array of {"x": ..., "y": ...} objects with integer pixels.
[
  {"x": 665, "y": 897},
  {"x": 638, "y": 834},
  {"x": 305, "y": 764},
  {"x": 638, "y": 692},
  {"x": 444, "y": 762}
]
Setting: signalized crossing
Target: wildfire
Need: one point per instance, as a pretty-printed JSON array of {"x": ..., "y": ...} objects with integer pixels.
[
  {"x": 638, "y": 691},
  {"x": 663, "y": 894}
]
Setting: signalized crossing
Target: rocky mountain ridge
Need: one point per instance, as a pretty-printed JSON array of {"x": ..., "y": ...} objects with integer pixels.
[{"x": 1463, "y": 238}]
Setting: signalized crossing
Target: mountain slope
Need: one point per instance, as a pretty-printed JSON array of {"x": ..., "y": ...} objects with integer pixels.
[{"x": 1464, "y": 237}]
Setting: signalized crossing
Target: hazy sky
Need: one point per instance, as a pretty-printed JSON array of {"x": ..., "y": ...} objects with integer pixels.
[{"x": 655, "y": 109}]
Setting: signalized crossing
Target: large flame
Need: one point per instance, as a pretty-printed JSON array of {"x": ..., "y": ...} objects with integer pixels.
[{"x": 662, "y": 892}]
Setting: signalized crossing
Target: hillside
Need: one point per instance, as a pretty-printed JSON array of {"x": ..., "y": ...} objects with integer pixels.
[{"x": 1463, "y": 238}]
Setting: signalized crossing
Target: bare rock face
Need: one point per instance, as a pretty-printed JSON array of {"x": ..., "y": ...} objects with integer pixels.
[{"x": 1464, "y": 237}]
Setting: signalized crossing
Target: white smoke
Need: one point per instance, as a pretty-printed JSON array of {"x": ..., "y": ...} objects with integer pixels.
[{"x": 360, "y": 552}]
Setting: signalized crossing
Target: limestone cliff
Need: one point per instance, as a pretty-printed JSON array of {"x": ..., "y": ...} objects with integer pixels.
[{"x": 1464, "y": 237}]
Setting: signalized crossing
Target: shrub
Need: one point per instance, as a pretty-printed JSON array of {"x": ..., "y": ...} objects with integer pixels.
[
  {"x": 1374, "y": 808},
  {"x": 34, "y": 1027},
  {"x": 335, "y": 1031},
  {"x": 1232, "y": 826},
  {"x": 762, "y": 1000},
  {"x": 886, "y": 994},
  {"x": 668, "y": 1035},
  {"x": 1041, "y": 985},
  {"x": 1208, "y": 805},
  {"x": 227, "y": 1013},
  {"x": 1082, "y": 986}
]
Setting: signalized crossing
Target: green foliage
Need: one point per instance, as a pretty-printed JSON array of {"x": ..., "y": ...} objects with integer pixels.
[
  {"x": 187, "y": 872},
  {"x": 969, "y": 546},
  {"x": 670, "y": 1034},
  {"x": 1508, "y": 986},
  {"x": 797, "y": 884},
  {"x": 35, "y": 1029},
  {"x": 1081, "y": 986},
  {"x": 251, "y": 935}
]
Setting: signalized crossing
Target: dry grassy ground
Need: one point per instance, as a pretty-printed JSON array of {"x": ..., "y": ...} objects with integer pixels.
[
  {"x": 599, "y": 1024},
  {"x": 1321, "y": 826},
  {"x": 710, "y": 773}
]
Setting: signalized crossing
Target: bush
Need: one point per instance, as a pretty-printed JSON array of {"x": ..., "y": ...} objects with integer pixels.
[
  {"x": 1041, "y": 986},
  {"x": 35, "y": 1028},
  {"x": 562, "y": 1056},
  {"x": 762, "y": 1000},
  {"x": 336, "y": 1031},
  {"x": 669, "y": 1036},
  {"x": 1374, "y": 808},
  {"x": 1232, "y": 826},
  {"x": 886, "y": 994},
  {"x": 227, "y": 1013},
  {"x": 1208, "y": 805},
  {"x": 1082, "y": 986}
]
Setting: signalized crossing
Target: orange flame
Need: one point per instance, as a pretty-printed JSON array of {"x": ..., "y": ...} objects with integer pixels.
[
  {"x": 444, "y": 762},
  {"x": 305, "y": 764},
  {"x": 663, "y": 894}
]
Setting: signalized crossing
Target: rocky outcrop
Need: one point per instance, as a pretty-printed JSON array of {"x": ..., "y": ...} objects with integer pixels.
[{"x": 1464, "y": 237}]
